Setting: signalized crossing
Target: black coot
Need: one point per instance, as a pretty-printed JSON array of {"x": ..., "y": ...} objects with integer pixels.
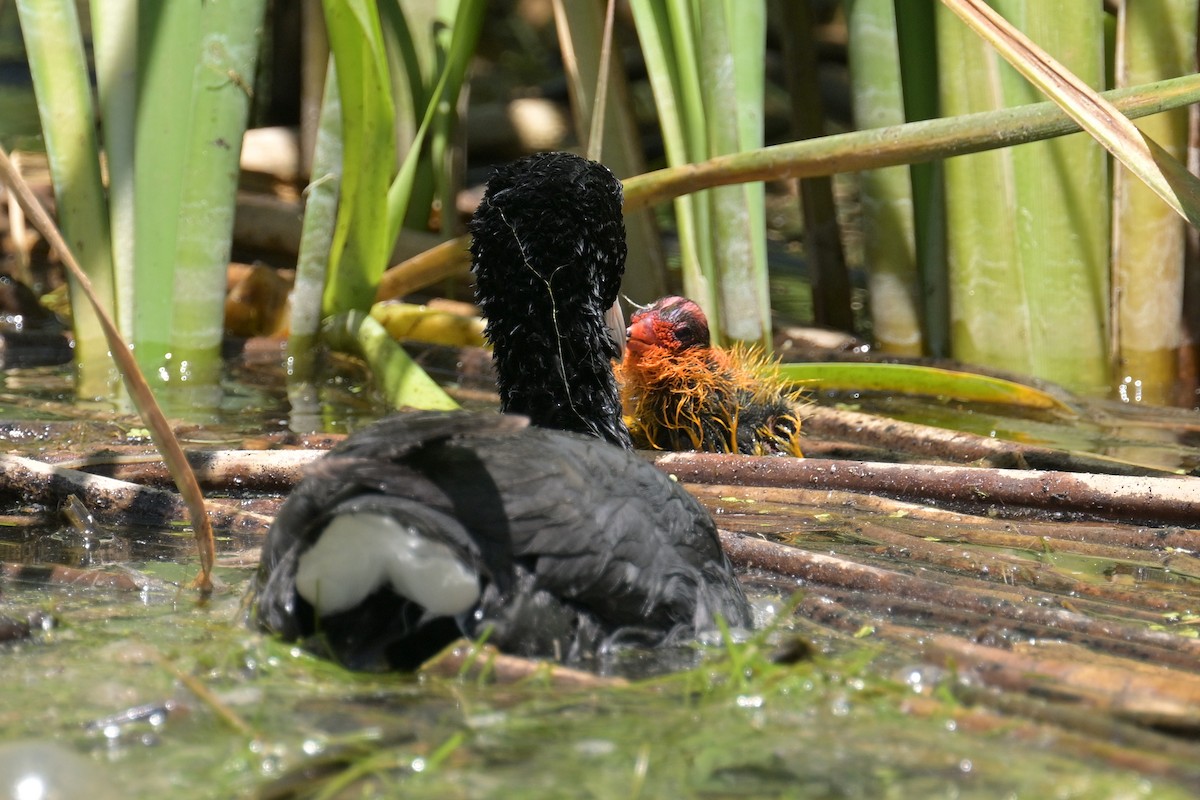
[{"x": 428, "y": 526}]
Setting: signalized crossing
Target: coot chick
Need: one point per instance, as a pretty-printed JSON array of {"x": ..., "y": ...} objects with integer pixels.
[
  {"x": 553, "y": 543},
  {"x": 682, "y": 393}
]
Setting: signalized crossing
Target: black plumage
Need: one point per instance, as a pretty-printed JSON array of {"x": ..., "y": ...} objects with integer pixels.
[
  {"x": 578, "y": 543},
  {"x": 548, "y": 252},
  {"x": 553, "y": 543}
]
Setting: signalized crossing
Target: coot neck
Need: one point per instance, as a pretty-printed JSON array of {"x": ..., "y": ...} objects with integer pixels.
[{"x": 548, "y": 254}]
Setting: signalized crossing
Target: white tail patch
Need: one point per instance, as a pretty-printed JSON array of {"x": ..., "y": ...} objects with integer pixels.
[{"x": 356, "y": 553}]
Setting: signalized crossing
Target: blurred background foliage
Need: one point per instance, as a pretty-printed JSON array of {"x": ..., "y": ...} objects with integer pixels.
[{"x": 383, "y": 119}]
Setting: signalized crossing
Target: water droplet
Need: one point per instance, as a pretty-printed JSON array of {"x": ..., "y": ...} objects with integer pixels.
[{"x": 595, "y": 747}]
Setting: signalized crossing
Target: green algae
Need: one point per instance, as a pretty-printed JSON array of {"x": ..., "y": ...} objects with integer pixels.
[{"x": 165, "y": 693}]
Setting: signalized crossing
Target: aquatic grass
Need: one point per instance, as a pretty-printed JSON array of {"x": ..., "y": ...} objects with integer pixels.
[
  {"x": 721, "y": 233},
  {"x": 605, "y": 122},
  {"x": 1154, "y": 41},
  {"x": 221, "y": 81},
  {"x": 54, "y": 48},
  {"x": 800, "y": 728},
  {"x": 743, "y": 661},
  {"x": 889, "y": 246}
]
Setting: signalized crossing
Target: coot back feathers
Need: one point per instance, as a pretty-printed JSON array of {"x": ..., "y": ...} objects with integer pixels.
[{"x": 560, "y": 543}]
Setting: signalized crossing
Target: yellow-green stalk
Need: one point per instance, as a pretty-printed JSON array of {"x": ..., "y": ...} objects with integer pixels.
[
  {"x": 1062, "y": 207},
  {"x": 54, "y": 47},
  {"x": 580, "y": 35},
  {"x": 1155, "y": 39},
  {"x": 222, "y": 81},
  {"x": 886, "y": 194}
]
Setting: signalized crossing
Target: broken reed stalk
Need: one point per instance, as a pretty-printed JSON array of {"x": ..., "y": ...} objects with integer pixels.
[
  {"x": 1075, "y": 729},
  {"x": 841, "y": 573},
  {"x": 1075, "y": 537},
  {"x": 1143, "y": 690},
  {"x": 928, "y": 441},
  {"x": 135, "y": 382},
  {"x": 1008, "y": 569},
  {"x": 468, "y": 660},
  {"x": 1174, "y": 500},
  {"x": 113, "y": 500},
  {"x": 222, "y": 470},
  {"x": 60, "y": 575}
]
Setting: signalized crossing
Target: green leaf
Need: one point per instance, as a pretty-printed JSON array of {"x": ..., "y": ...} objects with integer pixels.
[
  {"x": 60, "y": 80},
  {"x": 361, "y": 245},
  {"x": 915, "y": 379},
  {"x": 468, "y": 22},
  {"x": 222, "y": 77},
  {"x": 401, "y": 380}
]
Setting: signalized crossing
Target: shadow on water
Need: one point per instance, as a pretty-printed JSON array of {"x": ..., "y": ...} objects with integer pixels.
[{"x": 938, "y": 654}]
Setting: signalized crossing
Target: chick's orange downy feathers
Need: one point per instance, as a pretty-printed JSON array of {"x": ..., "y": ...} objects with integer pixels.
[{"x": 681, "y": 393}]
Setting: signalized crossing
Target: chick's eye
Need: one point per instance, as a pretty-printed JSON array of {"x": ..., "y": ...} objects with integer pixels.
[
  {"x": 685, "y": 328},
  {"x": 684, "y": 335}
]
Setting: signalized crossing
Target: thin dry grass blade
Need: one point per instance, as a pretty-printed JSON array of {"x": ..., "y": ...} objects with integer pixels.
[
  {"x": 596, "y": 135},
  {"x": 135, "y": 382}
]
